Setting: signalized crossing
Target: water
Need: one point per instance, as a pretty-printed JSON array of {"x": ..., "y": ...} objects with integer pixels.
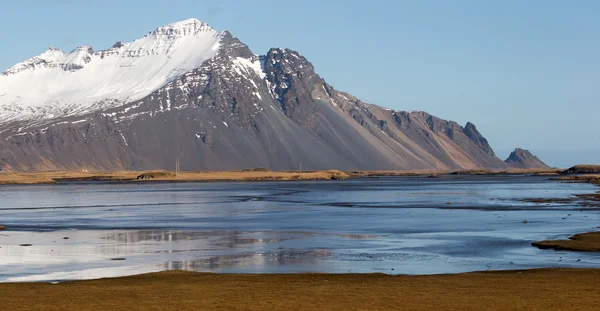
[{"x": 387, "y": 225}]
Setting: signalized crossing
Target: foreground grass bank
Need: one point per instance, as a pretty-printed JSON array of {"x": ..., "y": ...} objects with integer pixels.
[{"x": 547, "y": 289}]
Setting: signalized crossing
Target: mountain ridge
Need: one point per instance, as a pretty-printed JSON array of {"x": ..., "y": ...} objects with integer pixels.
[
  {"x": 235, "y": 109},
  {"x": 521, "y": 158},
  {"x": 57, "y": 84}
]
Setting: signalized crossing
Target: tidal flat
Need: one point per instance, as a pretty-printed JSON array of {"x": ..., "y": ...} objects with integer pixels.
[{"x": 391, "y": 225}]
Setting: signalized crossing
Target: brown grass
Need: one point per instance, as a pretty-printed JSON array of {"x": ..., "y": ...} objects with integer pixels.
[
  {"x": 132, "y": 176},
  {"x": 585, "y": 242},
  {"x": 547, "y": 289},
  {"x": 512, "y": 171},
  {"x": 359, "y": 174},
  {"x": 257, "y": 174},
  {"x": 51, "y": 176},
  {"x": 429, "y": 172}
]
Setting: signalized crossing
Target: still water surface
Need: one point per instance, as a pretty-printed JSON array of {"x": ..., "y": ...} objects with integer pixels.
[{"x": 387, "y": 225}]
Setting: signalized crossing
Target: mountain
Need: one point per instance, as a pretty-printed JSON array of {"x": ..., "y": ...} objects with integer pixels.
[
  {"x": 190, "y": 92},
  {"x": 521, "y": 158}
]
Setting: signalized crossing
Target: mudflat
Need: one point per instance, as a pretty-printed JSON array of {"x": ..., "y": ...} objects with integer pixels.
[
  {"x": 584, "y": 242},
  {"x": 545, "y": 289}
]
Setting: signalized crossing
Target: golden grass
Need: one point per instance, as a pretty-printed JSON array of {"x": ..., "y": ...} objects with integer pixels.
[
  {"x": 546, "y": 289},
  {"x": 359, "y": 174},
  {"x": 512, "y": 171},
  {"x": 260, "y": 174},
  {"x": 50, "y": 177},
  {"x": 256, "y": 176},
  {"x": 132, "y": 176},
  {"x": 428, "y": 172},
  {"x": 584, "y": 242}
]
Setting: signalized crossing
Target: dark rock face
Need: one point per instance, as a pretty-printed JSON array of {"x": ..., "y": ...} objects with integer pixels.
[
  {"x": 471, "y": 131},
  {"x": 521, "y": 158},
  {"x": 239, "y": 110}
]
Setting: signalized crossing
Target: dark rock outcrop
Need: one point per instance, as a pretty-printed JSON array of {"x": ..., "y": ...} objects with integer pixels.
[{"x": 521, "y": 158}]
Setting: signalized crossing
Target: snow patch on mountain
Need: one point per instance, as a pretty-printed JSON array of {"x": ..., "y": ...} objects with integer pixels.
[
  {"x": 246, "y": 68},
  {"x": 57, "y": 84}
]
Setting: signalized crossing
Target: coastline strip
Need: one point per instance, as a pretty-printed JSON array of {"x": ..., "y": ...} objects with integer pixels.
[{"x": 542, "y": 289}]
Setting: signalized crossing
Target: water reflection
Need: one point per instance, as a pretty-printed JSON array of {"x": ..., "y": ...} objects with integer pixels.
[
  {"x": 389, "y": 225},
  {"x": 275, "y": 258}
]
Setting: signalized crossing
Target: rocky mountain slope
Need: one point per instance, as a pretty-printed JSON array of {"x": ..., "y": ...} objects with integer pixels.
[
  {"x": 521, "y": 158},
  {"x": 187, "y": 91}
]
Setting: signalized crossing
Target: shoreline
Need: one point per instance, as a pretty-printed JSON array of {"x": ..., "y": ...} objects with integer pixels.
[
  {"x": 124, "y": 177},
  {"x": 536, "y": 289},
  {"x": 583, "y": 242},
  {"x": 592, "y": 179}
]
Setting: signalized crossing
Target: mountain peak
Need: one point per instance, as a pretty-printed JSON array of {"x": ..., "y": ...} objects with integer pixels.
[
  {"x": 83, "y": 48},
  {"x": 186, "y": 23},
  {"x": 54, "y": 49},
  {"x": 282, "y": 50},
  {"x": 522, "y": 158},
  {"x": 188, "y": 27}
]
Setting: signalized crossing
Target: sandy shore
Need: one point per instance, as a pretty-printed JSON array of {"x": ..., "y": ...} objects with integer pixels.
[{"x": 546, "y": 289}]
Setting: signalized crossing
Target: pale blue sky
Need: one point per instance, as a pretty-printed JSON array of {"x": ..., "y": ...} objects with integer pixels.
[{"x": 526, "y": 73}]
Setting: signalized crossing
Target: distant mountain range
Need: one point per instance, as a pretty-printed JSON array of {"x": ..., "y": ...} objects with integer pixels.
[{"x": 185, "y": 91}]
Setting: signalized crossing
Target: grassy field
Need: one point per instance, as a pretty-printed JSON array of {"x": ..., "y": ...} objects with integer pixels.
[
  {"x": 264, "y": 174},
  {"x": 52, "y": 177},
  {"x": 548, "y": 289}
]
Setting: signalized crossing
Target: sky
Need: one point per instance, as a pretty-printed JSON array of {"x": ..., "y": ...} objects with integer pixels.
[{"x": 526, "y": 73}]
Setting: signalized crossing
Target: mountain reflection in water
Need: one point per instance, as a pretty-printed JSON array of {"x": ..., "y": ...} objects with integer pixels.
[{"x": 388, "y": 225}]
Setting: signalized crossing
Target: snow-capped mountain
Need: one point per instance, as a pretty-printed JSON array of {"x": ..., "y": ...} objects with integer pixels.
[
  {"x": 188, "y": 91},
  {"x": 57, "y": 84}
]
